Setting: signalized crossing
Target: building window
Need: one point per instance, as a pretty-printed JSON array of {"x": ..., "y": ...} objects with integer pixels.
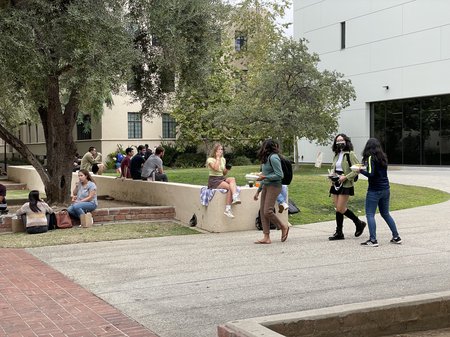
[
  {"x": 343, "y": 35},
  {"x": 240, "y": 41},
  {"x": 134, "y": 125},
  {"x": 37, "y": 133},
  {"x": 84, "y": 128},
  {"x": 29, "y": 133},
  {"x": 131, "y": 84},
  {"x": 414, "y": 131},
  {"x": 169, "y": 126}
]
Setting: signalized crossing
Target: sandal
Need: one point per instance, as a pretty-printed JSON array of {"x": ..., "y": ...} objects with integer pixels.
[{"x": 285, "y": 236}]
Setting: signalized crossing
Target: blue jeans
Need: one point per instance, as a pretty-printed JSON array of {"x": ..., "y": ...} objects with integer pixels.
[
  {"x": 379, "y": 199},
  {"x": 79, "y": 208},
  {"x": 282, "y": 197}
]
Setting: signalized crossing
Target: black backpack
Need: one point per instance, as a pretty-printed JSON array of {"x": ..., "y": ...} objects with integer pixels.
[
  {"x": 258, "y": 223},
  {"x": 350, "y": 165},
  {"x": 286, "y": 166}
]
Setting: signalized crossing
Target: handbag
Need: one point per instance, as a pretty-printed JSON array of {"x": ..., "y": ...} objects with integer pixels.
[{"x": 63, "y": 219}]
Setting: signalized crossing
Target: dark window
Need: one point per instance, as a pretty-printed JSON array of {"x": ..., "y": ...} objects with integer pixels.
[
  {"x": 430, "y": 124},
  {"x": 84, "y": 128},
  {"x": 444, "y": 135},
  {"x": 343, "y": 35},
  {"x": 134, "y": 125},
  {"x": 29, "y": 133},
  {"x": 131, "y": 84},
  {"x": 37, "y": 133},
  {"x": 414, "y": 131},
  {"x": 155, "y": 41},
  {"x": 167, "y": 80},
  {"x": 240, "y": 41},
  {"x": 169, "y": 126}
]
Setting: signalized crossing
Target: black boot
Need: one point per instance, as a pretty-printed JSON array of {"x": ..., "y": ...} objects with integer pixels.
[
  {"x": 338, "y": 235},
  {"x": 360, "y": 225},
  {"x": 360, "y": 228}
]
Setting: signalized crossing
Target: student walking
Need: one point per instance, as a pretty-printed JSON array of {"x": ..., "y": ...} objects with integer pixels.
[
  {"x": 378, "y": 192},
  {"x": 342, "y": 189},
  {"x": 270, "y": 188}
]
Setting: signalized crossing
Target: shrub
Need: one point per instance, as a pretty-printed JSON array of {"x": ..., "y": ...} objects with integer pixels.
[
  {"x": 170, "y": 154},
  {"x": 185, "y": 160},
  {"x": 241, "y": 161},
  {"x": 111, "y": 159},
  {"x": 247, "y": 150}
]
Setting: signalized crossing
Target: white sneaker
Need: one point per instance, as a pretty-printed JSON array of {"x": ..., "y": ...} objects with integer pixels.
[
  {"x": 228, "y": 213},
  {"x": 236, "y": 200},
  {"x": 282, "y": 207}
]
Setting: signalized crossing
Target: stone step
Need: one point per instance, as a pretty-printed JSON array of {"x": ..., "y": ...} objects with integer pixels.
[
  {"x": 11, "y": 185},
  {"x": 113, "y": 215}
]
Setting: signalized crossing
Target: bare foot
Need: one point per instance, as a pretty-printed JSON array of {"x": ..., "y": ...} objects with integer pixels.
[{"x": 263, "y": 242}]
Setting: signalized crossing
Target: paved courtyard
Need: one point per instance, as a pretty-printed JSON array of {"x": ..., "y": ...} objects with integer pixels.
[{"x": 187, "y": 285}]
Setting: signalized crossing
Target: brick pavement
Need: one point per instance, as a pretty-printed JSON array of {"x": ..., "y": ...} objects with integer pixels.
[{"x": 36, "y": 300}]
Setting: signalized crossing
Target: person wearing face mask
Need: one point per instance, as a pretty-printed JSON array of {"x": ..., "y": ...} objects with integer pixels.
[{"x": 342, "y": 189}]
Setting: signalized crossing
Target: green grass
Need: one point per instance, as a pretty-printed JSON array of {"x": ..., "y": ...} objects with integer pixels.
[
  {"x": 111, "y": 232},
  {"x": 19, "y": 194},
  {"x": 309, "y": 190}
]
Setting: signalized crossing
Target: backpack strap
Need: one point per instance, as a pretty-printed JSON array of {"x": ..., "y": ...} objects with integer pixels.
[{"x": 348, "y": 159}]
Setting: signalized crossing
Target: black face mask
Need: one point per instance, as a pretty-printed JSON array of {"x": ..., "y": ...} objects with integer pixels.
[{"x": 340, "y": 146}]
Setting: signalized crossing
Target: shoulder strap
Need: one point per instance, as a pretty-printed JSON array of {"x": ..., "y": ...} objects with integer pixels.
[
  {"x": 268, "y": 158},
  {"x": 348, "y": 159}
]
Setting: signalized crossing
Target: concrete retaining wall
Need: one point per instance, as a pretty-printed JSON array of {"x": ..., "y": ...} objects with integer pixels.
[
  {"x": 184, "y": 197},
  {"x": 370, "y": 319}
]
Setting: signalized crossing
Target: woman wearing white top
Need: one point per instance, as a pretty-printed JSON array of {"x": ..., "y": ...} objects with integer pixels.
[
  {"x": 342, "y": 189},
  {"x": 36, "y": 213}
]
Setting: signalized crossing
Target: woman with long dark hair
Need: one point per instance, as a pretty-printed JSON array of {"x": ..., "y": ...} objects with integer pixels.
[
  {"x": 344, "y": 158},
  {"x": 378, "y": 192},
  {"x": 36, "y": 213},
  {"x": 84, "y": 198},
  {"x": 270, "y": 188}
]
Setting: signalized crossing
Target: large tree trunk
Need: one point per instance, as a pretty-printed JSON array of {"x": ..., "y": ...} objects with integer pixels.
[{"x": 58, "y": 126}]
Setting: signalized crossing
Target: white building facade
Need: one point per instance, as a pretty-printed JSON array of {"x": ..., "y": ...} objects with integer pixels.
[{"x": 397, "y": 55}]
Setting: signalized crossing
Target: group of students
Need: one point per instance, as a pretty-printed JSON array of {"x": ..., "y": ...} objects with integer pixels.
[
  {"x": 84, "y": 195},
  {"x": 36, "y": 211},
  {"x": 374, "y": 167},
  {"x": 144, "y": 165},
  {"x": 345, "y": 169}
]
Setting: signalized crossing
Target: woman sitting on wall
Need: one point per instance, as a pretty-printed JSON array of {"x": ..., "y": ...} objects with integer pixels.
[{"x": 84, "y": 198}]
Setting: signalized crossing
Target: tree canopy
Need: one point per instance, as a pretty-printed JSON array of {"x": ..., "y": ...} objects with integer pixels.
[
  {"x": 271, "y": 87},
  {"x": 63, "y": 58},
  {"x": 290, "y": 97}
]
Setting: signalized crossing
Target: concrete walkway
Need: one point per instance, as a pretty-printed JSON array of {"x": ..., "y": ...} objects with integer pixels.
[{"x": 185, "y": 286}]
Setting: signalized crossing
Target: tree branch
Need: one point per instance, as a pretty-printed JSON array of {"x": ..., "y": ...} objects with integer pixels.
[{"x": 20, "y": 147}]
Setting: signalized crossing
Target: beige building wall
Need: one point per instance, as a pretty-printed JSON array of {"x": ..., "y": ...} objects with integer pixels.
[{"x": 106, "y": 134}]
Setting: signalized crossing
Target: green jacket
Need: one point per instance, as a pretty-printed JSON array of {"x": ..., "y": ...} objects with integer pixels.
[{"x": 349, "y": 174}]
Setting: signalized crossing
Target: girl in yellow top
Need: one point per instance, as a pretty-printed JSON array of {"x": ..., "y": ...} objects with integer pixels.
[{"x": 216, "y": 164}]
